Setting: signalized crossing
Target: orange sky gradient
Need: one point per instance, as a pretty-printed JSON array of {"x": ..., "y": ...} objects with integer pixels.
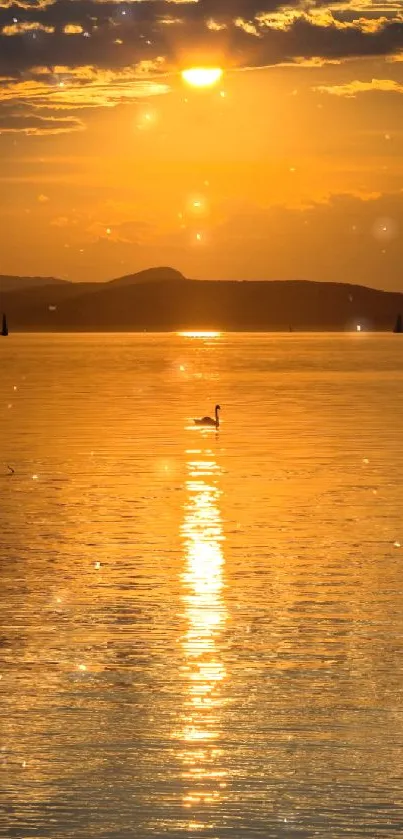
[{"x": 290, "y": 167}]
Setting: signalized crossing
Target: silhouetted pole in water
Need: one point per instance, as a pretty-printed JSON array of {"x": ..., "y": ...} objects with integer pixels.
[
  {"x": 4, "y": 328},
  {"x": 398, "y": 324}
]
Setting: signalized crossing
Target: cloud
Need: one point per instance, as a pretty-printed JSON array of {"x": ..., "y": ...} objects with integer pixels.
[
  {"x": 109, "y": 35},
  {"x": 22, "y": 27},
  {"x": 127, "y": 232},
  {"x": 286, "y": 242},
  {"x": 247, "y": 26},
  {"x": 73, "y": 29},
  {"x": 82, "y": 87},
  {"x": 90, "y": 53},
  {"x": 35, "y": 125},
  {"x": 351, "y": 89}
]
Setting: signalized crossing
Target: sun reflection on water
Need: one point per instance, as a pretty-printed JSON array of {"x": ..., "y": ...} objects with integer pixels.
[
  {"x": 206, "y": 614},
  {"x": 200, "y": 334}
]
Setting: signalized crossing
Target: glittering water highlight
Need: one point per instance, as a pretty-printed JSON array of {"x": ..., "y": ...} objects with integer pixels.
[{"x": 201, "y": 630}]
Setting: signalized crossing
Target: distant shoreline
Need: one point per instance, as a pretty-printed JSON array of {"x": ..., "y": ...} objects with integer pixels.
[
  {"x": 216, "y": 332},
  {"x": 162, "y": 300}
]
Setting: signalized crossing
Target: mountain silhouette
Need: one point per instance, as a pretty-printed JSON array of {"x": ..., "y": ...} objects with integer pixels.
[
  {"x": 12, "y": 283},
  {"x": 150, "y": 275},
  {"x": 161, "y": 299}
]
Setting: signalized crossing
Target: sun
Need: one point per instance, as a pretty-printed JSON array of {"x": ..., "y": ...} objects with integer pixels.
[{"x": 202, "y": 76}]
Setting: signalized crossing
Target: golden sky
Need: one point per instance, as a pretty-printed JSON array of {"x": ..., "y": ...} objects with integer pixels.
[{"x": 290, "y": 167}]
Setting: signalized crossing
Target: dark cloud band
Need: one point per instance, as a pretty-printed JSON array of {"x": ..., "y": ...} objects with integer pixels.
[
  {"x": 115, "y": 43},
  {"x": 113, "y": 48}
]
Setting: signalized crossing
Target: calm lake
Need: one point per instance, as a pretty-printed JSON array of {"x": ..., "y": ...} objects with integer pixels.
[{"x": 201, "y": 631}]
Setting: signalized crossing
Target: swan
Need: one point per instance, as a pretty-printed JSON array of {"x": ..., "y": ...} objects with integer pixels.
[{"x": 209, "y": 421}]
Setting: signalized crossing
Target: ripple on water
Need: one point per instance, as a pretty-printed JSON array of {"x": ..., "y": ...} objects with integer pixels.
[{"x": 202, "y": 632}]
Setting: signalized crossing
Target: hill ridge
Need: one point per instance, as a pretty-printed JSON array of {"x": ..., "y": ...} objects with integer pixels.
[{"x": 169, "y": 302}]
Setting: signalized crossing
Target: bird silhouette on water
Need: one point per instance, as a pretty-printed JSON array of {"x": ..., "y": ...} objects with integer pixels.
[{"x": 209, "y": 422}]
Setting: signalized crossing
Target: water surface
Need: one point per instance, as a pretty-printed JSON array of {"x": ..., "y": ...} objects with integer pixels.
[{"x": 201, "y": 632}]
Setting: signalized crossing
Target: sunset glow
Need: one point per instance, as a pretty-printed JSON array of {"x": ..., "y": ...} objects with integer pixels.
[
  {"x": 202, "y": 76},
  {"x": 199, "y": 334},
  {"x": 201, "y": 329},
  {"x": 227, "y": 143}
]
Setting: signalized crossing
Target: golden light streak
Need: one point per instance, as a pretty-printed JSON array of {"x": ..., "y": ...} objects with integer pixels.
[{"x": 206, "y": 615}]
